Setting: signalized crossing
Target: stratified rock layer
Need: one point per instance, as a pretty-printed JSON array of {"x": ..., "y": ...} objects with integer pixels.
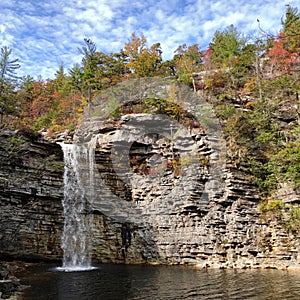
[
  {"x": 226, "y": 229},
  {"x": 223, "y": 230},
  {"x": 31, "y": 190}
]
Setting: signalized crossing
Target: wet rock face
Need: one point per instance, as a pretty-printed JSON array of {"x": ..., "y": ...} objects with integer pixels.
[{"x": 31, "y": 190}]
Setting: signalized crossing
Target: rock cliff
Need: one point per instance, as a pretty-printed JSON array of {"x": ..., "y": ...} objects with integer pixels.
[
  {"x": 163, "y": 204},
  {"x": 224, "y": 230},
  {"x": 31, "y": 189}
]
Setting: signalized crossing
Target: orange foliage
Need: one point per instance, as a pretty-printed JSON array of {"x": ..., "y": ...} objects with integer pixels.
[
  {"x": 43, "y": 98},
  {"x": 281, "y": 58}
]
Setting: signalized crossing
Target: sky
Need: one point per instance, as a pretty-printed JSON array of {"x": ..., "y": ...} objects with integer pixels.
[{"x": 45, "y": 33}]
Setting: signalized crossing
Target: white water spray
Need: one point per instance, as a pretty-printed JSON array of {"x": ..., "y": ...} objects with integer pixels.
[{"x": 78, "y": 198}]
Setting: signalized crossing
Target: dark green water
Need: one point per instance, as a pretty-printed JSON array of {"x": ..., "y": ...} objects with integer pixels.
[{"x": 123, "y": 282}]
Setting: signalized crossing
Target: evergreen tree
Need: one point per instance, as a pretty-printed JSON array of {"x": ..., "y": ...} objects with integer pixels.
[
  {"x": 61, "y": 80},
  {"x": 76, "y": 78},
  {"x": 226, "y": 45},
  {"x": 90, "y": 62},
  {"x": 8, "y": 81},
  {"x": 291, "y": 29}
]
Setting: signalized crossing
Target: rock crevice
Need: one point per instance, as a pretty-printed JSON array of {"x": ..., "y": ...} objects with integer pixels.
[{"x": 165, "y": 201}]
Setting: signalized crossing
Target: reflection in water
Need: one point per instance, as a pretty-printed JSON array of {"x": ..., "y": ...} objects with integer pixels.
[{"x": 123, "y": 282}]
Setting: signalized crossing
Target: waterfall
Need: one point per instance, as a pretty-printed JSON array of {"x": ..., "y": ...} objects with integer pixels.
[{"x": 78, "y": 197}]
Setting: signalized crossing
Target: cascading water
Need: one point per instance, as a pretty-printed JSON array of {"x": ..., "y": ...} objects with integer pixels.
[{"x": 78, "y": 197}]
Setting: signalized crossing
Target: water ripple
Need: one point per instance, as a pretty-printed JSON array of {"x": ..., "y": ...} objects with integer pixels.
[{"x": 123, "y": 282}]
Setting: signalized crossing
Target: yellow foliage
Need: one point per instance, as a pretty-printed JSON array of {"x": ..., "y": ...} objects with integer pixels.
[
  {"x": 56, "y": 128},
  {"x": 143, "y": 61},
  {"x": 249, "y": 87},
  {"x": 208, "y": 83},
  {"x": 250, "y": 104}
]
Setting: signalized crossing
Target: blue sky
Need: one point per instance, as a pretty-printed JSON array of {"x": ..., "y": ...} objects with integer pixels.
[{"x": 44, "y": 33}]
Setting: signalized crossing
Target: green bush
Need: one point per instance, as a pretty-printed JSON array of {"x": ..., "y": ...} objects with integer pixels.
[
  {"x": 272, "y": 208},
  {"x": 293, "y": 221}
]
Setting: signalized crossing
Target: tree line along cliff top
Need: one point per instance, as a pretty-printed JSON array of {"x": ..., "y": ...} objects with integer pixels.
[{"x": 252, "y": 82}]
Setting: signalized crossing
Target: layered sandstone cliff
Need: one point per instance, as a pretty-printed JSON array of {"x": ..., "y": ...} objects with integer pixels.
[
  {"x": 147, "y": 215},
  {"x": 31, "y": 189}
]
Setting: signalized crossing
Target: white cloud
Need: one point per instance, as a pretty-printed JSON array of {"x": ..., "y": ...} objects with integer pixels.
[{"x": 45, "y": 33}]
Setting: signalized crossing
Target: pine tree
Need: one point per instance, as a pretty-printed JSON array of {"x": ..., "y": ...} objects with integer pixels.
[
  {"x": 226, "y": 45},
  {"x": 8, "y": 81},
  {"x": 291, "y": 29}
]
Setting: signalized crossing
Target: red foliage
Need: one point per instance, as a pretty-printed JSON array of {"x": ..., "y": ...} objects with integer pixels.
[
  {"x": 42, "y": 100},
  {"x": 207, "y": 58},
  {"x": 281, "y": 58}
]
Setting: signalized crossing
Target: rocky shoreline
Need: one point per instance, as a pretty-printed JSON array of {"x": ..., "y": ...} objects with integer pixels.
[
  {"x": 227, "y": 232},
  {"x": 10, "y": 285}
]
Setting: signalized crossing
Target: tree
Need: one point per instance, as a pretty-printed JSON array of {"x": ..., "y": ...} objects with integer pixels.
[
  {"x": 76, "y": 78},
  {"x": 188, "y": 60},
  {"x": 281, "y": 59},
  {"x": 8, "y": 81},
  {"x": 90, "y": 63},
  {"x": 117, "y": 69},
  {"x": 225, "y": 46},
  {"x": 285, "y": 51},
  {"x": 291, "y": 29},
  {"x": 141, "y": 60},
  {"x": 25, "y": 97},
  {"x": 8, "y": 67},
  {"x": 42, "y": 98},
  {"x": 98, "y": 71},
  {"x": 111, "y": 69},
  {"x": 243, "y": 66},
  {"x": 229, "y": 60},
  {"x": 61, "y": 82}
]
